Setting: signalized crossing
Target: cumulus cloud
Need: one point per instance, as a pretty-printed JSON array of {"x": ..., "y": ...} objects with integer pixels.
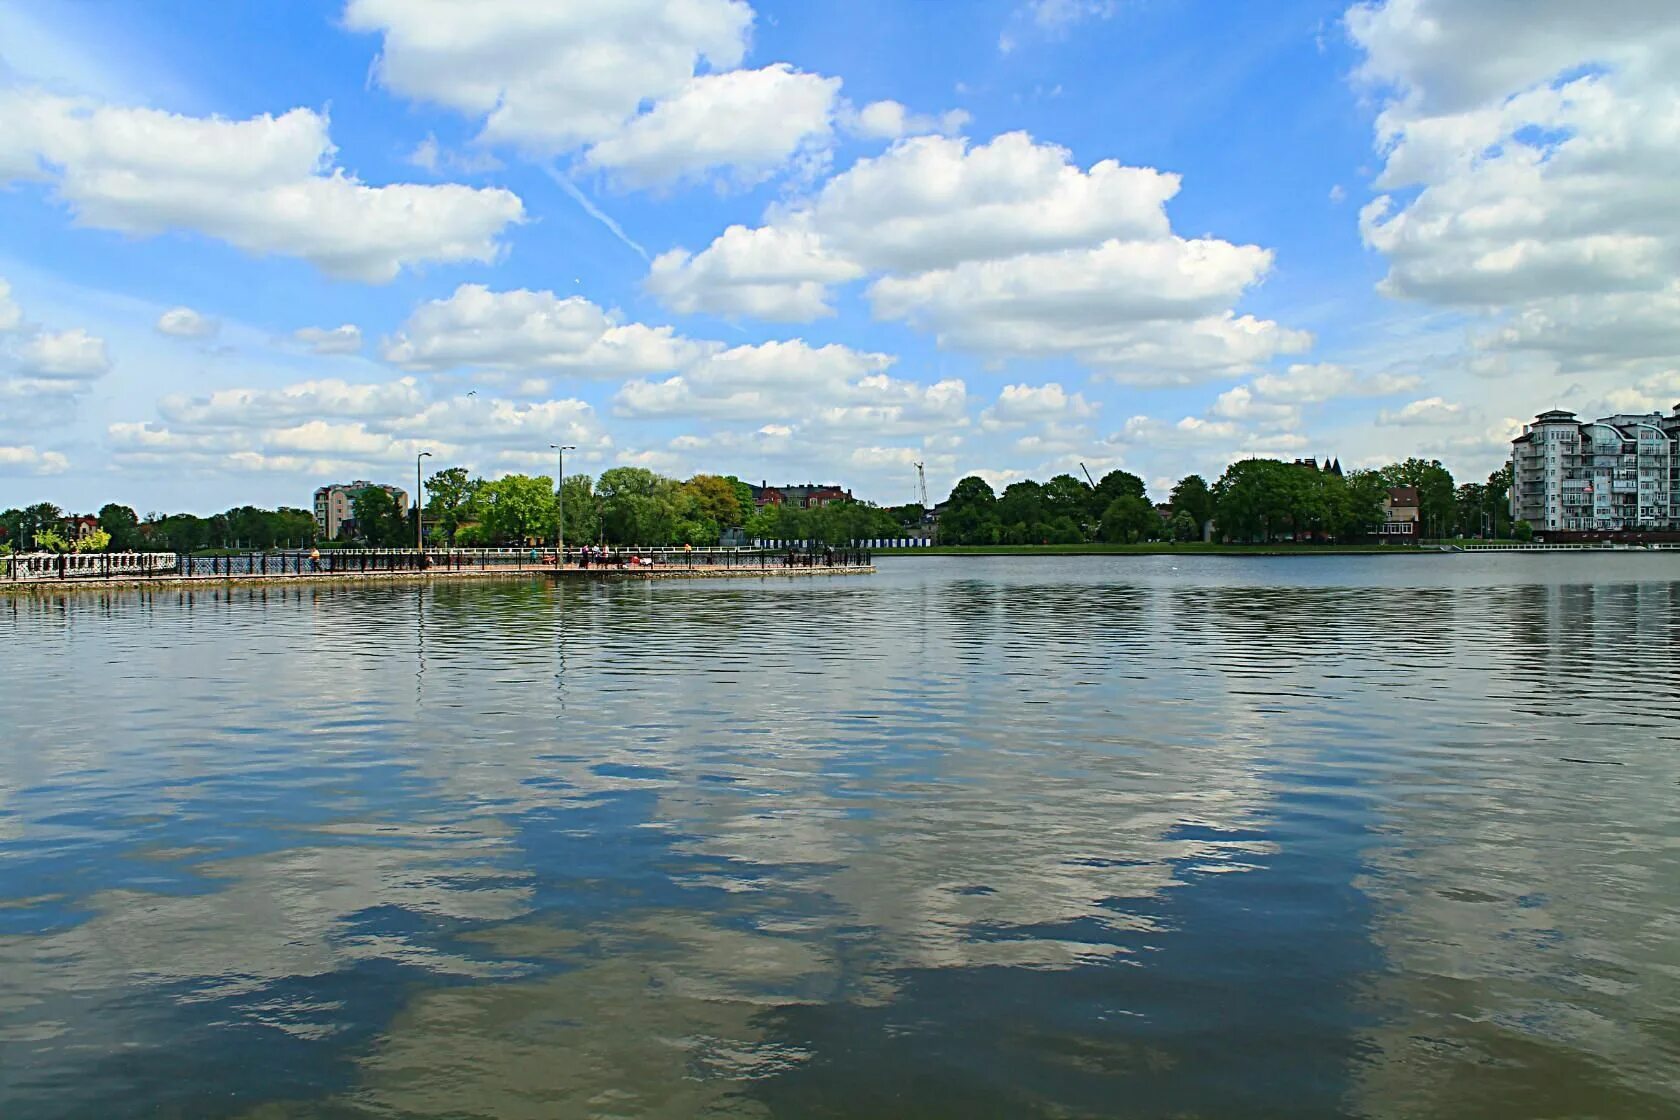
[
  {"x": 647, "y": 90},
  {"x": 11, "y": 316},
  {"x": 889, "y": 120},
  {"x": 1431, "y": 411},
  {"x": 1533, "y": 183},
  {"x": 1007, "y": 249},
  {"x": 327, "y": 426},
  {"x": 750, "y": 121},
  {"x": 770, "y": 380},
  {"x": 1326, "y": 381},
  {"x": 345, "y": 339},
  {"x": 72, "y": 355},
  {"x": 526, "y": 330},
  {"x": 549, "y": 77},
  {"x": 184, "y": 322},
  {"x": 773, "y": 273},
  {"x": 266, "y": 185},
  {"x": 1025, "y": 404},
  {"x": 252, "y": 408},
  {"x": 27, "y": 460}
]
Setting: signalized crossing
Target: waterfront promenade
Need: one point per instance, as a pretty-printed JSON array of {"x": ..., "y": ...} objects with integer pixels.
[{"x": 38, "y": 573}]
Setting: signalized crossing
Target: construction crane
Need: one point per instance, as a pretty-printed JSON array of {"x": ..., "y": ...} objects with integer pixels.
[
  {"x": 1087, "y": 475},
  {"x": 921, "y": 485}
]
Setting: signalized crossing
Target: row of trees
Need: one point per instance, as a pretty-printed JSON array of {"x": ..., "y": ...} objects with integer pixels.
[
  {"x": 45, "y": 526},
  {"x": 1063, "y": 510},
  {"x": 1256, "y": 500},
  {"x": 630, "y": 505}
]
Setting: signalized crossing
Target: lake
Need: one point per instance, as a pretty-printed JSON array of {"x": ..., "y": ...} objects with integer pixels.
[{"x": 1085, "y": 836}]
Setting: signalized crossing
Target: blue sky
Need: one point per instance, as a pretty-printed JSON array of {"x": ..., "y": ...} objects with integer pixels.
[{"x": 998, "y": 238}]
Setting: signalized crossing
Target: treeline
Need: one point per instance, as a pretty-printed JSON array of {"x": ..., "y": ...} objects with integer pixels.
[
  {"x": 631, "y": 505},
  {"x": 46, "y": 527},
  {"x": 1255, "y": 500}
]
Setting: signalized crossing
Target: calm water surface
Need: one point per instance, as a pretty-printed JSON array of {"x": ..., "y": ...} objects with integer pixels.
[{"x": 1089, "y": 837}]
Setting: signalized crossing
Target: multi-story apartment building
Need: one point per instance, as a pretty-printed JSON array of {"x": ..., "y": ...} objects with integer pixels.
[
  {"x": 336, "y": 504},
  {"x": 1616, "y": 474}
]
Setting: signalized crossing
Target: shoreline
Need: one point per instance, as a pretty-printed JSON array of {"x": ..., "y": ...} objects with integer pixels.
[
  {"x": 316, "y": 579},
  {"x": 1168, "y": 550}
]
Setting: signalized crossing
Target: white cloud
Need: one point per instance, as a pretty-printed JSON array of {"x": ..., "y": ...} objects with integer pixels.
[
  {"x": 1007, "y": 249},
  {"x": 889, "y": 120},
  {"x": 184, "y": 322},
  {"x": 1431, "y": 411},
  {"x": 345, "y": 339},
  {"x": 549, "y": 77},
  {"x": 526, "y": 330},
  {"x": 266, "y": 185},
  {"x": 72, "y": 355},
  {"x": 1533, "y": 183},
  {"x": 1326, "y": 381},
  {"x": 771, "y": 380},
  {"x": 11, "y": 317},
  {"x": 27, "y": 460},
  {"x": 329, "y": 426},
  {"x": 934, "y": 202},
  {"x": 1026, "y": 404},
  {"x": 1240, "y": 403},
  {"x": 328, "y": 398},
  {"x": 781, "y": 274},
  {"x": 750, "y": 121}
]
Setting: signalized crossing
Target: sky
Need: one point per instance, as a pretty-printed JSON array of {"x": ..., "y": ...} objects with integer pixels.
[{"x": 246, "y": 250}]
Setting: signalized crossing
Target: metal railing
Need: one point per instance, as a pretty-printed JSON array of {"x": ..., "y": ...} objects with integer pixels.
[{"x": 46, "y": 567}]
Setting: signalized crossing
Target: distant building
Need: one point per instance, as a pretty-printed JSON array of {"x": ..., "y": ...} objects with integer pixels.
[
  {"x": 808, "y": 495},
  {"x": 1401, "y": 513},
  {"x": 81, "y": 527},
  {"x": 335, "y": 505},
  {"x": 1331, "y": 466},
  {"x": 1616, "y": 474}
]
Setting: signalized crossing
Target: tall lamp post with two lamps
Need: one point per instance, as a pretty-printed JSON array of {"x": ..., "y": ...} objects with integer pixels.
[
  {"x": 419, "y": 506},
  {"x": 560, "y": 450}
]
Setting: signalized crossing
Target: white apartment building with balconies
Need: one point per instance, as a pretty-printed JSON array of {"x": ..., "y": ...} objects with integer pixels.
[{"x": 1617, "y": 474}]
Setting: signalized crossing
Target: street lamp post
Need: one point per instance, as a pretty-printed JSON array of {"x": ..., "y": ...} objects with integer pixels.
[
  {"x": 419, "y": 506},
  {"x": 560, "y": 500}
]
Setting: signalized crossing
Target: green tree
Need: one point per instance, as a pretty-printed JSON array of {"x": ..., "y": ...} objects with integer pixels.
[
  {"x": 96, "y": 541},
  {"x": 1130, "y": 518},
  {"x": 1366, "y": 493},
  {"x": 1066, "y": 496},
  {"x": 1522, "y": 531},
  {"x": 1117, "y": 484},
  {"x": 449, "y": 500},
  {"x": 637, "y": 506},
  {"x": 1259, "y": 499},
  {"x": 582, "y": 510},
  {"x": 1498, "y": 498},
  {"x": 1184, "y": 527},
  {"x": 293, "y": 527},
  {"x": 715, "y": 498},
  {"x": 51, "y": 540},
  {"x": 1192, "y": 496},
  {"x": 123, "y": 525},
  {"x": 23, "y": 525},
  {"x": 970, "y": 514},
  {"x": 518, "y": 509},
  {"x": 378, "y": 521}
]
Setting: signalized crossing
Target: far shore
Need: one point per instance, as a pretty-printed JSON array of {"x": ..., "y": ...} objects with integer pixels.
[{"x": 1163, "y": 548}]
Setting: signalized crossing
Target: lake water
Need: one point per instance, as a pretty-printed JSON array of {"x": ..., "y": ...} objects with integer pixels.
[{"x": 1104, "y": 836}]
